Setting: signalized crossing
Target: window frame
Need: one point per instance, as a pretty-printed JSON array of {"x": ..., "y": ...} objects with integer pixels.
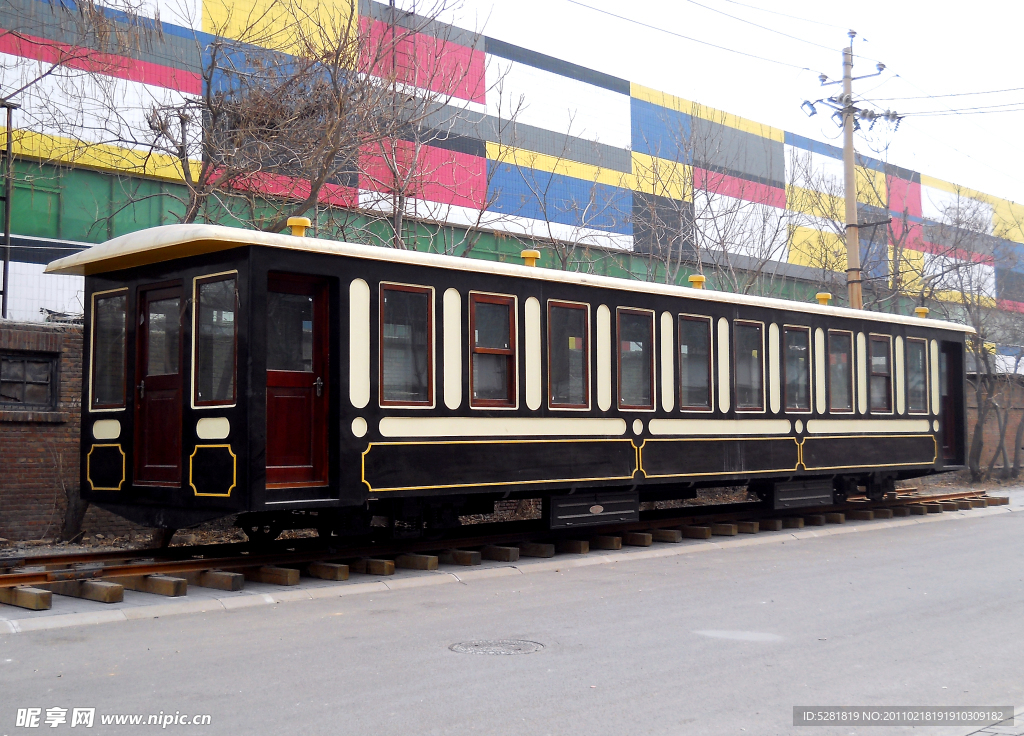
[
  {"x": 711, "y": 362},
  {"x": 194, "y": 357},
  {"x": 619, "y": 311},
  {"x": 828, "y": 373},
  {"x": 128, "y": 307},
  {"x": 53, "y": 381},
  {"x": 584, "y": 307},
  {"x": 810, "y": 370},
  {"x": 486, "y": 297},
  {"x": 431, "y": 351},
  {"x": 735, "y": 374},
  {"x": 927, "y": 376},
  {"x": 872, "y": 337}
]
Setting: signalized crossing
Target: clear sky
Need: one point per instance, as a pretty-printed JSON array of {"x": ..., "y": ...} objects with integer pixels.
[{"x": 929, "y": 48}]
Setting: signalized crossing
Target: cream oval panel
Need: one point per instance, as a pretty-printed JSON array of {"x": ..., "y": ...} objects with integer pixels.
[
  {"x": 724, "y": 387},
  {"x": 604, "y": 358},
  {"x": 668, "y": 379},
  {"x": 820, "y": 361},
  {"x": 359, "y": 343},
  {"x": 531, "y": 330},
  {"x": 862, "y": 373},
  {"x": 900, "y": 384},
  {"x": 774, "y": 370},
  {"x": 935, "y": 376},
  {"x": 452, "y": 348},
  {"x": 213, "y": 428},
  {"x": 106, "y": 429}
]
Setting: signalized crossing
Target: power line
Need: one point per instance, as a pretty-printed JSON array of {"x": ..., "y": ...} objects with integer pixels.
[
  {"x": 950, "y": 113},
  {"x": 968, "y": 109},
  {"x": 689, "y": 38},
  {"x": 758, "y": 25},
  {"x": 785, "y": 15},
  {"x": 954, "y": 94}
]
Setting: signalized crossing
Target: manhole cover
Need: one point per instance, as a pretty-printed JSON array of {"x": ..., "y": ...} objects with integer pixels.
[{"x": 497, "y": 646}]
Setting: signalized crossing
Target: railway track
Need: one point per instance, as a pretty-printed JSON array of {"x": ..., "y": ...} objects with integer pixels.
[{"x": 30, "y": 582}]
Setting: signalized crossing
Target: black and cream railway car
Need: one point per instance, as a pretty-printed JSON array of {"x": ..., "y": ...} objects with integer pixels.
[{"x": 307, "y": 383}]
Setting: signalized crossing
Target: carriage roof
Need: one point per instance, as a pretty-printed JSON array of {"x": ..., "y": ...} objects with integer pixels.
[{"x": 175, "y": 242}]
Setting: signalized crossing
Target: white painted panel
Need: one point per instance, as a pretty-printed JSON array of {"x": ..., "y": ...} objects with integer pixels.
[
  {"x": 774, "y": 370},
  {"x": 872, "y": 426},
  {"x": 724, "y": 386},
  {"x": 104, "y": 109},
  {"x": 901, "y": 383},
  {"x": 359, "y": 343},
  {"x": 738, "y": 227},
  {"x": 531, "y": 347},
  {"x": 668, "y": 377},
  {"x": 935, "y": 377},
  {"x": 604, "y": 358},
  {"x": 736, "y": 427},
  {"x": 213, "y": 428},
  {"x": 820, "y": 361},
  {"x": 106, "y": 429},
  {"x": 813, "y": 170},
  {"x": 501, "y": 427},
  {"x": 558, "y": 103},
  {"x": 862, "y": 373},
  {"x": 942, "y": 206},
  {"x": 452, "y": 348}
]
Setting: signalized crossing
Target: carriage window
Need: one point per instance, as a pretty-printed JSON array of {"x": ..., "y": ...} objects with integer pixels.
[
  {"x": 636, "y": 345},
  {"x": 568, "y": 355},
  {"x": 108, "y": 351},
  {"x": 881, "y": 374},
  {"x": 215, "y": 311},
  {"x": 493, "y": 350},
  {"x": 694, "y": 363},
  {"x": 406, "y": 345},
  {"x": 749, "y": 366},
  {"x": 289, "y": 332},
  {"x": 797, "y": 347},
  {"x": 840, "y": 371},
  {"x": 917, "y": 381}
]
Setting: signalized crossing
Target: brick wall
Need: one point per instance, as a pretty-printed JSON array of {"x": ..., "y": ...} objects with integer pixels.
[
  {"x": 1010, "y": 394},
  {"x": 39, "y": 449}
]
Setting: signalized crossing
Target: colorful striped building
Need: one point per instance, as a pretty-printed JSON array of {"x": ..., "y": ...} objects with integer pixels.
[{"x": 526, "y": 148}]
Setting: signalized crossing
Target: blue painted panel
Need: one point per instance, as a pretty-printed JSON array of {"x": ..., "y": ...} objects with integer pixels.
[
  {"x": 658, "y": 131},
  {"x": 557, "y": 198}
]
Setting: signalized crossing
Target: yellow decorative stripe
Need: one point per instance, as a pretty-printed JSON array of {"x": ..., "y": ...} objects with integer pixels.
[
  {"x": 234, "y": 470},
  {"x": 557, "y": 165},
  {"x": 662, "y": 177},
  {"x": 678, "y": 104},
  {"x": 818, "y": 204},
  {"x": 88, "y": 470},
  {"x": 1008, "y": 220},
  {"x": 101, "y": 156}
]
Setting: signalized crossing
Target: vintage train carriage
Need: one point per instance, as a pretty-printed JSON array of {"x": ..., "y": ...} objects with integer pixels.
[{"x": 310, "y": 383}]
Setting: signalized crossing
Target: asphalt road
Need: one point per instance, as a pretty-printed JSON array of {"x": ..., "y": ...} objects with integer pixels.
[{"x": 722, "y": 642}]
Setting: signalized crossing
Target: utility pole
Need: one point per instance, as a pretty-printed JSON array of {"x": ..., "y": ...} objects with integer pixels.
[
  {"x": 854, "y": 295},
  {"x": 847, "y": 114},
  {"x": 5, "y": 286}
]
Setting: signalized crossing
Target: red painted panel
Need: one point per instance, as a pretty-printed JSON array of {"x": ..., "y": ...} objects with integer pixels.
[
  {"x": 433, "y": 174},
  {"x": 1009, "y": 305},
  {"x": 904, "y": 194},
  {"x": 424, "y": 61},
  {"x": 734, "y": 186},
  {"x": 294, "y": 188},
  {"x": 112, "y": 65}
]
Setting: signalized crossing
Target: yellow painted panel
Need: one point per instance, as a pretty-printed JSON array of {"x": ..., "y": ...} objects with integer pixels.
[
  {"x": 1008, "y": 220},
  {"x": 557, "y": 165},
  {"x": 911, "y": 268},
  {"x": 871, "y": 186},
  {"x": 816, "y": 249},
  {"x": 662, "y": 177},
  {"x": 817, "y": 204},
  {"x": 678, "y": 104},
  {"x": 58, "y": 149},
  {"x": 284, "y": 25},
  {"x": 945, "y": 186}
]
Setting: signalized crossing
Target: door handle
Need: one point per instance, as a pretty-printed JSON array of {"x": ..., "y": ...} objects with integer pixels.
[
  {"x": 142, "y": 390},
  {"x": 319, "y": 386}
]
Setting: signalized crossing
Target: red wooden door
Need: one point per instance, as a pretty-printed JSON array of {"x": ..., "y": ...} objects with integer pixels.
[
  {"x": 296, "y": 381},
  {"x": 158, "y": 391}
]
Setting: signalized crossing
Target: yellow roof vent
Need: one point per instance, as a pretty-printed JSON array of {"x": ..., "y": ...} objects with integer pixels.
[
  {"x": 922, "y": 312},
  {"x": 299, "y": 225},
  {"x": 697, "y": 281},
  {"x": 530, "y": 257},
  {"x": 823, "y": 298}
]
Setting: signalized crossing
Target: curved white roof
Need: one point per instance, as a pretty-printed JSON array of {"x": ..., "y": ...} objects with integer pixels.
[{"x": 170, "y": 242}]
